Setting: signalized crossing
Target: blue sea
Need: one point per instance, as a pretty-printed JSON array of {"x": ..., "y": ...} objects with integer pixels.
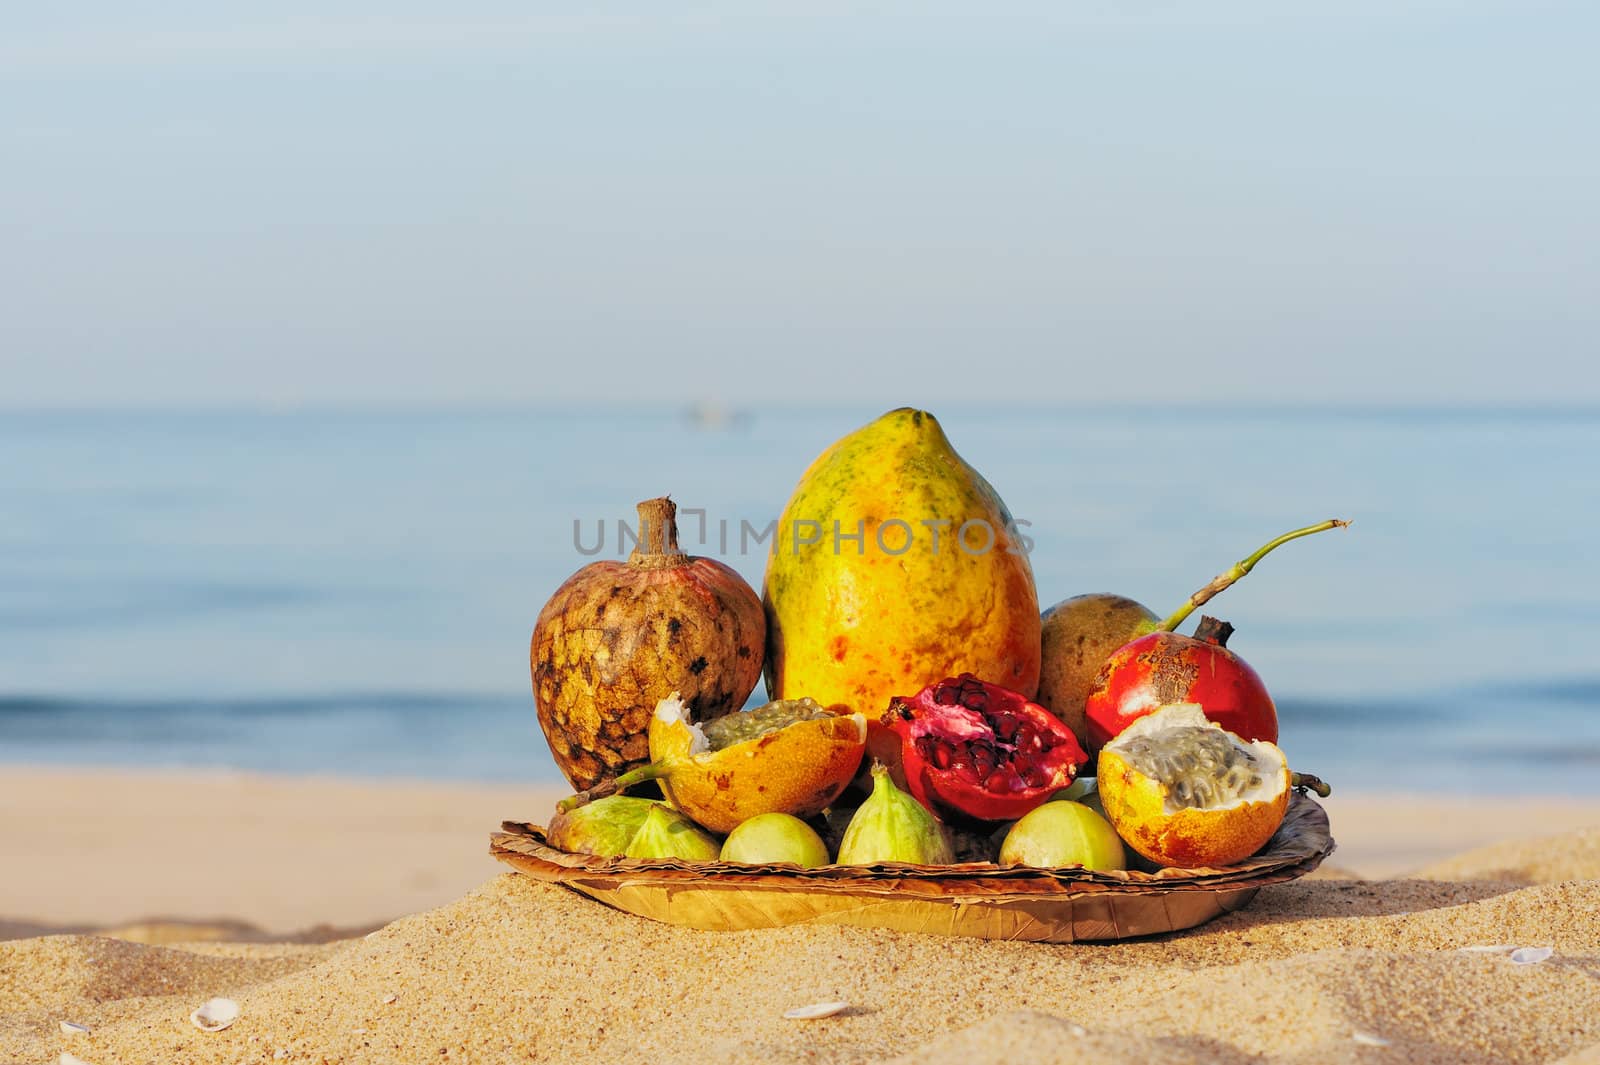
[{"x": 353, "y": 591}]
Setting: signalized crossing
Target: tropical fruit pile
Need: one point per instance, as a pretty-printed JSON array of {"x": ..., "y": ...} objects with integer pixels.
[{"x": 922, "y": 709}]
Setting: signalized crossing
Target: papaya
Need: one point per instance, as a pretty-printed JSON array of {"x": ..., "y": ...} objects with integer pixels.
[{"x": 893, "y": 565}]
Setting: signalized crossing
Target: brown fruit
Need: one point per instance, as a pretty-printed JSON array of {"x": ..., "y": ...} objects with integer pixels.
[
  {"x": 617, "y": 638},
  {"x": 1079, "y": 635}
]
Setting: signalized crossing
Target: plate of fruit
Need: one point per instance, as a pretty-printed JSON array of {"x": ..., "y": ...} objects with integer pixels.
[{"x": 937, "y": 755}]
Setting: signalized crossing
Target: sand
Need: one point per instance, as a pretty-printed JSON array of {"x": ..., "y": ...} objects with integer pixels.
[{"x": 1326, "y": 969}]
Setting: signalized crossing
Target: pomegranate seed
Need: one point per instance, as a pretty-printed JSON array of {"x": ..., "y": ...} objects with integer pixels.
[
  {"x": 1004, "y": 780},
  {"x": 975, "y": 699},
  {"x": 1005, "y": 725},
  {"x": 1035, "y": 776},
  {"x": 946, "y": 695},
  {"x": 942, "y": 754},
  {"x": 983, "y": 759}
]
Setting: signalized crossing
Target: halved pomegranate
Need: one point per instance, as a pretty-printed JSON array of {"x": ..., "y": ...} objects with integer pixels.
[{"x": 976, "y": 750}]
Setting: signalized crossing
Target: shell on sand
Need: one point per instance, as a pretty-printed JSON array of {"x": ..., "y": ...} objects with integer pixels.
[
  {"x": 215, "y": 1014},
  {"x": 816, "y": 1011}
]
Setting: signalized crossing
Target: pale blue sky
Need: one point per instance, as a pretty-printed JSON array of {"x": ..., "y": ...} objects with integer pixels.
[{"x": 1124, "y": 201}]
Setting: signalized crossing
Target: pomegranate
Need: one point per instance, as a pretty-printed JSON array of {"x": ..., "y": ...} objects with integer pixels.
[
  {"x": 1163, "y": 668},
  {"x": 970, "y": 749},
  {"x": 1079, "y": 633}
]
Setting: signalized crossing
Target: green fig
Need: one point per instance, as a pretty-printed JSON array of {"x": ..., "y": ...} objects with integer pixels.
[
  {"x": 668, "y": 834},
  {"x": 604, "y": 827},
  {"x": 1080, "y": 633},
  {"x": 775, "y": 837},
  {"x": 1063, "y": 833},
  {"x": 891, "y": 826}
]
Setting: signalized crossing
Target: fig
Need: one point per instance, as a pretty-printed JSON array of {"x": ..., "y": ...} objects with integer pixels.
[
  {"x": 974, "y": 750},
  {"x": 891, "y": 826},
  {"x": 1163, "y": 668},
  {"x": 617, "y": 637},
  {"x": 605, "y": 827},
  {"x": 666, "y": 833},
  {"x": 1078, "y": 635},
  {"x": 1183, "y": 791},
  {"x": 775, "y": 837},
  {"x": 895, "y": 563},
  {"x": 790, "y": 756},
  {"x": 1063, "y": 833}
]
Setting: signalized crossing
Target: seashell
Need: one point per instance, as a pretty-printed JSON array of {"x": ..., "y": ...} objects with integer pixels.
[
  {"x": 1530, "y": 955},
  {"x": 816, "y": 1011},
  {"x": 74, "y": 1028},
  {"x": 215, "y": 1014},
  {"x": 1367, "y": 1039},
  {"x": 390, "y": 1000},
  {"x": 69, "y": 1059}
]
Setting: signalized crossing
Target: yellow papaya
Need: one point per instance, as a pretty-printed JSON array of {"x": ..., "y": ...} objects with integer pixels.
[{"x": 894, "y": 565}]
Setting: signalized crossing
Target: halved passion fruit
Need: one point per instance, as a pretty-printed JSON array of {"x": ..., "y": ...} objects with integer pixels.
[
  {"x": 1183, "y": 791},
  {"x": 793, "y": 756}
]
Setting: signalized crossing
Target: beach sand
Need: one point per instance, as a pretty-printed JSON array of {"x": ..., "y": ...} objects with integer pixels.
[{"x": 1331, "y": 968}]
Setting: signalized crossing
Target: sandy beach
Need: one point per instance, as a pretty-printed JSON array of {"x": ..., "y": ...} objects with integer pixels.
[{"x": 291, "y": 895}]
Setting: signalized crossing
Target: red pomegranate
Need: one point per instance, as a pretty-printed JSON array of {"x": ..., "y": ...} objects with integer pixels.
[
  {"x": 973, "y": 750},
  {"x": 1164, "y": 668}
]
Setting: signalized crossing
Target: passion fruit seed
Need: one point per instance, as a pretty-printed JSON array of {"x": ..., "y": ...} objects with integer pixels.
[
  {"x": 730, "y": 729},
  {"x": 1201, "y": 766}
]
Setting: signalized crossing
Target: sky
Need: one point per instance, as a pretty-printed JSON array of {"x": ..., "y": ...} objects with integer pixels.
[{"x": 1336, "y": 201}]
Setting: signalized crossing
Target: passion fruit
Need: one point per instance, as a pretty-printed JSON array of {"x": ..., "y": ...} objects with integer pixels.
[
  {"x": 793, "y": 756},
  {"x": 1183, "y": 791}
]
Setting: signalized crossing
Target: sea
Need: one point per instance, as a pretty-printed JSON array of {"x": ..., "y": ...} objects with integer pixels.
[{"x": 352, "y": 592}]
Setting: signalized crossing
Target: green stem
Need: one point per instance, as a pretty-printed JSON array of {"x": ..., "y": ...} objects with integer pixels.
[
  {"x": 1239, "y": 569},
  {"x": 612, "y": 785}
]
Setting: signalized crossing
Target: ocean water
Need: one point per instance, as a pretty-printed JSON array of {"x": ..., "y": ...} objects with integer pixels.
[{"x": 353, "y": 592}]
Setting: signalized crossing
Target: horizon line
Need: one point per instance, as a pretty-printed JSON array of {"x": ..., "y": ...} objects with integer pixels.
[{"x": 746, "y": 409}]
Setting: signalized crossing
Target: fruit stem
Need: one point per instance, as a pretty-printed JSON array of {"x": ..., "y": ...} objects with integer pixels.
[
  {"x": 1239, "y": 569},
  {"x": 1309, "y": 781},
  {"x": 658, "y": 536},
  {"x": 612, "y": 785},
  {"x": 1213, "y": 631}
]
